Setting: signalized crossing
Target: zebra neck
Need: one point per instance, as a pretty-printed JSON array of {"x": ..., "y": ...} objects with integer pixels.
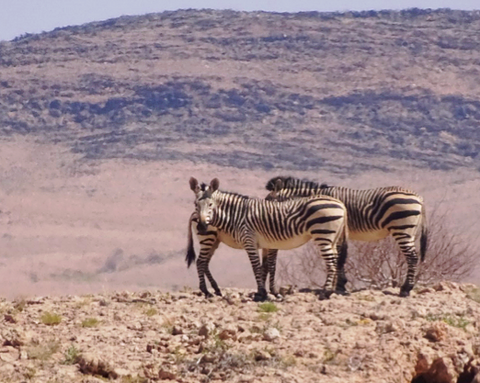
[{"x": 228, "y": 211}]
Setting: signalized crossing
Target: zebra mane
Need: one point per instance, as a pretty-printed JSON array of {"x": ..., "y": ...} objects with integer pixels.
[
  {"x": 293, "y": 183},
  {"x": 208, "y": 193}
]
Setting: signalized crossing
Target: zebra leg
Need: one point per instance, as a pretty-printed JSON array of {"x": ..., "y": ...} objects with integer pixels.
[
  {"x": 342, "y": 278},
  {"x": 264, "y": 265},
  {"x": 406, "y": 243},
  {"x": 209, "y": 274},
  {"x": 329, "y": 254},
  {"x": 272, "y": 264},
  {"x": 269, "y": 263},
  {"x": 252, "y": 252},
  {"x": 208, "y": 246}
]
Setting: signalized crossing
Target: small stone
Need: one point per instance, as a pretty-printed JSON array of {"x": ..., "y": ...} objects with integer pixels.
[
  {"x": 9, "y": 354},
  {"x": 206, "y": 329},
  {"x": 166, "y": 375},
  {"x": 208, "y": 358},
  {"x": 427, "y": 290},
  {"x": 299, "y": 353},
  {"x": 271, "y": 334},
  {"x": 177, "y": 330},
  {"x": 227, "y": 333},
  {"x": 436, "y": 332},
  {"x": 9, "y": 318},
  {"x": 262, "y": 355}
]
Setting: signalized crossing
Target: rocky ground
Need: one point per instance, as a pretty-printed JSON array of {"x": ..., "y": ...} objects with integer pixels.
[{"x": 432, "y": 336}]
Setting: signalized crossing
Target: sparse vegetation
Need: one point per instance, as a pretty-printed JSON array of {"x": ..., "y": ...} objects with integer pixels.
[
  {"x": 90, "y": 322},
  {"x": 474, "y": 294},
  {"x": 43, "y": 351},
  {"x": 71, "y": 355},
  {"x": 450, "y": 319},
  {"x": 50, "y": 319},
  {"x": 151, "y": 312},
  {"x": 329, "y": 356},
  {"x": 168, "y": 324},
  {"x": 268, "y": 307}
]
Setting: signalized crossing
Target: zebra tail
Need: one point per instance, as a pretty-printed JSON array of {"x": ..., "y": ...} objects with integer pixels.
[
  {"x": 190, "y": 258},
  {"x": 424, "y": 236}
]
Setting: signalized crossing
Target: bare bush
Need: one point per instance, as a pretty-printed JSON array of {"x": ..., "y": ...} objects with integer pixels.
[{"x": 450, "y": 255}]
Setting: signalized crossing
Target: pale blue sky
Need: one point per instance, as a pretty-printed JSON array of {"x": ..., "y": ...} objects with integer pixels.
[{"x": 32, "y": 16}]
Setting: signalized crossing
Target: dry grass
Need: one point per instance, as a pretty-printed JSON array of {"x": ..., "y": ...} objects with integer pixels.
[{"x": 50, "y": 319}]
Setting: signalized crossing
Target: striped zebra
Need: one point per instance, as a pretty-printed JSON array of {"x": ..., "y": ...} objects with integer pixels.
[
  {"x": 252, "y": 223},
  {"x": 373, "y": 214},
  {"x": 209, "y": 241}
]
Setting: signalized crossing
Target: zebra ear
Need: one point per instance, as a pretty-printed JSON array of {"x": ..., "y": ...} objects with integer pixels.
[
  {"x": 194, "y": 185},
  {"x": 214, "y": 184}
]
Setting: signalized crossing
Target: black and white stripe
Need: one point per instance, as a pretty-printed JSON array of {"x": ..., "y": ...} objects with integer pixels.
[
  {"x": 373, "y": 214},
  {"x": 252, "y": 224}
]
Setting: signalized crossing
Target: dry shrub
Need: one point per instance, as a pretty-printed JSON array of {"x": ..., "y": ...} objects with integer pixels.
[{"x": 451, "y": 256}]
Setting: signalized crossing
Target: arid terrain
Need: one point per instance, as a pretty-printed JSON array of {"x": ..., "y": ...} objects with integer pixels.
[{"x": 430, "y": 337}]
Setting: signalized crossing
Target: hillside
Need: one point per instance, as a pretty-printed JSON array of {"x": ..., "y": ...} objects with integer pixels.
[
  {"x": 346, "y": 92},
  {"x": 430, "y": 337}
]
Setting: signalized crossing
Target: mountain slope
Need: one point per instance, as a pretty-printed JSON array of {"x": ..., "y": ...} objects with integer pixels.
[{"x": 345, "y": 92}]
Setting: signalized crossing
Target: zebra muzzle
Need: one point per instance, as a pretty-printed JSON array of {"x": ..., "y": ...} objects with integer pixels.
[{"x": 202, "y": 228}]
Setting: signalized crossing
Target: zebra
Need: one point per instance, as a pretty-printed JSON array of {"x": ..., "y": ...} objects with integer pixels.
[
  {"x": 209, "y": 242},
  {"x": 253, "y": 223},
  {"x": 373, "y": 214}
]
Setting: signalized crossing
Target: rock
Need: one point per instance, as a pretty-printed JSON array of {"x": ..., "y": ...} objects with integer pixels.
[
  {"x": 440, "y": 371},
  {"x": 166, "y": 375},
  {"x": 271, "y": 334},
  {"x": 228, "y": 333},
  {"x": 13, "y": 337},
  {"x": 9, "y": 318},
  {"x": 262, "y": 355},
  {"x": 427, "y": 290},
  {"x": 208, "y": 358},
  {"x": 176, "y": 330},
  {"x": 436, "y": 332},
  {"x": 206, "y": 329},
  {"x": 93, "y": 364},
  {"x": 9, "y": 354},
  {"x": 286, "y": 290}
]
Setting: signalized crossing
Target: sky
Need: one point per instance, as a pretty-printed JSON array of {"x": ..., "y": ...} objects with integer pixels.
[{"x": 33, "y": 16}]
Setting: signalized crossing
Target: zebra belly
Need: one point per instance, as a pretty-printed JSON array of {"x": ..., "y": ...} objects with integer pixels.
[
  {"x": 228, "y": 240},
  {"x": 292, "y": 243},
  {"x": 369, "y": 236}
]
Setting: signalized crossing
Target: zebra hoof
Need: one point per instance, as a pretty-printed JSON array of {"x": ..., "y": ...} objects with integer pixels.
[
  {"x": 218, "y": 293},
  {"x": 322, "y": 295},
  {"x": 208, "y": 294},
  {"x": 260, "y": 297},
  {"x": 405, "y": 291}
]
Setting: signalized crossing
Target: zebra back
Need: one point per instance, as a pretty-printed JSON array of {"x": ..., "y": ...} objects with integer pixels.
[{"x": 367, "y": 208}]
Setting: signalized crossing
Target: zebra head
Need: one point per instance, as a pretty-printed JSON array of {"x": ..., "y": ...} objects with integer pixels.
[
  {"x": 284, "y": 188},
  {"x": 275, "y": 185},
  {"x": 204, "y": 203}
]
